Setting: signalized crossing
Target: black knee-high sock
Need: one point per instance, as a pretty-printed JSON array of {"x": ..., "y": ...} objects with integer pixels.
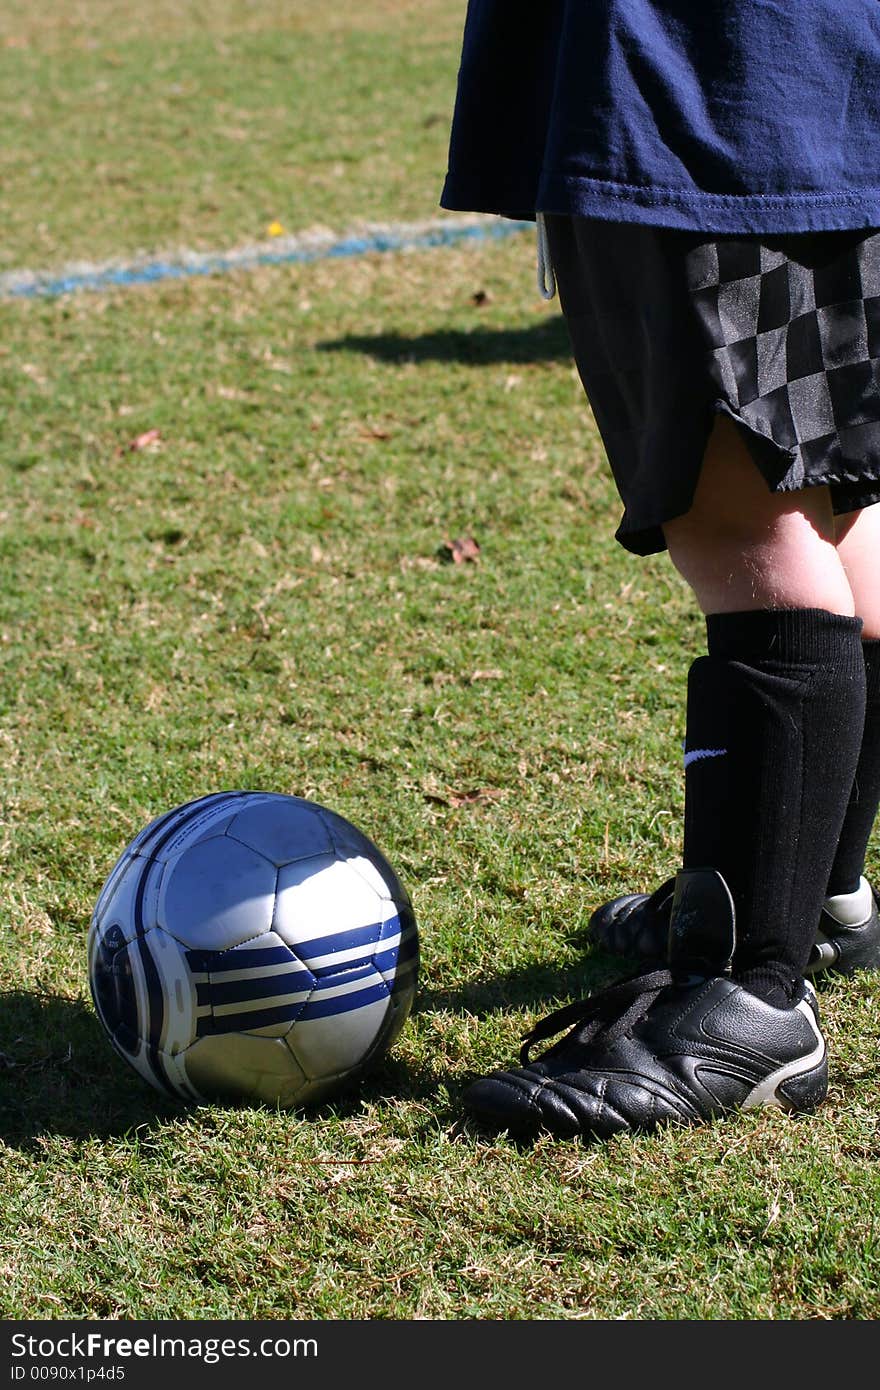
[
  {"x": 775, "y": 716},
  {"x": 849, "y": 861}
]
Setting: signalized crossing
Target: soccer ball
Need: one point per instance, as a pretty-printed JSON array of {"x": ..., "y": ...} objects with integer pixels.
[{"x": 250, "y": 946}]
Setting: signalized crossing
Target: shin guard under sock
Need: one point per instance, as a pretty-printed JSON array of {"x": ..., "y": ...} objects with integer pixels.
[
  {"x": 775, "y": 715},
  {"x": 849, "y": 861}
]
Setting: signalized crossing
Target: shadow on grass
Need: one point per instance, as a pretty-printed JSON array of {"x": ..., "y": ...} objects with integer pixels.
[
  {"x": 59, "y": 1075},
  {"x": 539, "y": 988},
  {"x": 536, "y": 988},
  {"x": 541, "y": 342}
]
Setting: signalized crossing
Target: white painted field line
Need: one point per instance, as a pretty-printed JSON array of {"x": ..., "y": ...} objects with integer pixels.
[{"x": 316, "y": 245}]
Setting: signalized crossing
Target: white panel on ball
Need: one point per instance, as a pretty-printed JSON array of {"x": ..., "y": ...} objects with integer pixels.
[
  {"x": 338, "y": 1026},
  {"x": 121, "y": 900},
  {"x": 320, "y": 903},
  {"x": 282, "y": 832},
  {"x": 197, "y": 821},
  {"x": 235, "y": 1065},
  {"x": 217, "y": 894},
  {"x": 179, "y": 1018},
  {"x": 368, "y": 871}
]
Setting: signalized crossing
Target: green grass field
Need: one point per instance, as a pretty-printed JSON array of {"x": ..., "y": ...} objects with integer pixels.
[{"x": 262, "y": 598}]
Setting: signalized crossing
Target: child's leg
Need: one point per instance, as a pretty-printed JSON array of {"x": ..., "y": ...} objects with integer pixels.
[
  {"x": 848, "y": 929},
  {"x": 775, "y": 711},
  {"x": 744, "y": 547},
  {"x": 857, "y": 538},
  {"x": 774, "y": 722},
  {"x": 858, "y": 545}
]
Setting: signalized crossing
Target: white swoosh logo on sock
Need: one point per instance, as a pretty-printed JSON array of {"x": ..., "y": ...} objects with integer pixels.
[{"x": 697, "y": 754}]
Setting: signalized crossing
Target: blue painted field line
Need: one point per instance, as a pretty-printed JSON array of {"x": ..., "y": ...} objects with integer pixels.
[{"x": 287, "y": 250}]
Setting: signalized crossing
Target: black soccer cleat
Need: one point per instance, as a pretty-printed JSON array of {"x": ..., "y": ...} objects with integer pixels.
[
  {"x": 636, "y": 924},
  {"x": 847, "y": 938},
  {"x": 681, "y": 1045}
]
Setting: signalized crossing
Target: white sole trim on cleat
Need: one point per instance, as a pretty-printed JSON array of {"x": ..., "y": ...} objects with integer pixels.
[
  {"x": 852, "y": 909},
  {"x": 766, "y": 1092}
]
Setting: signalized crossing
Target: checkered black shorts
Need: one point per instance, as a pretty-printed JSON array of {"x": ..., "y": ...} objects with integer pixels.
[{"x": 670, "y": 328}]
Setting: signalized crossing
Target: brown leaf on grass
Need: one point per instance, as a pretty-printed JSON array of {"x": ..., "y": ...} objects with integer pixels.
[
  {"x": 461, "y": 798},
  {"x": 490, "y": 674},
  {"x": 145, "y": 440},
  {"x": 457, "y": 799},
  {"x": 462, "y": 549},
  {"x": 478, "y": 794},
  {"x": 373, "y": 432}
]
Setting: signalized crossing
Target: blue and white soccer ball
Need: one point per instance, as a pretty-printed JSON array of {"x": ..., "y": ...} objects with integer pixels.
[{"x": 254, "y": 947}]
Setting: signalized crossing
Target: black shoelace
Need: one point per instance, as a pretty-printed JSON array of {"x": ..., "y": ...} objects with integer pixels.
[{"x": 612, "y": 1012}]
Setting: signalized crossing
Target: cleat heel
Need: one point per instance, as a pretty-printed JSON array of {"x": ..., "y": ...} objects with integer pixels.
[{"x": 804, "y": 1093}]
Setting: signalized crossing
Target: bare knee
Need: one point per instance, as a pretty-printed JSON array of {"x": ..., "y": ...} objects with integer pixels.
[
  {"x": 857, "y": 536},
  {"x": 787, "y": 565},
  {"x": 741, "y": 546}
]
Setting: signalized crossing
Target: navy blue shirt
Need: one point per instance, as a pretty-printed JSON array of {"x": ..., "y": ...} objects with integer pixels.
[{"x": 758, "y": 116}]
